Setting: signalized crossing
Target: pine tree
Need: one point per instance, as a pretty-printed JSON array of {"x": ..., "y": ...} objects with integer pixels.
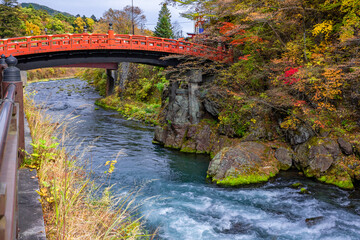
[{"x": 164, "y": 28}]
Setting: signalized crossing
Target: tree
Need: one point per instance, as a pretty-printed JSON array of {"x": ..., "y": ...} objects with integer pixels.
[
  {"x": 9, "y": 3},
  {"x": 163, "y": 27},
  {"x": 79, "y": 25},
  {"x": 10, "y": 23},
  {"x": 94, "y": 18},
  {"x": 134, "y": 14},
  {"x": 121, "y": 19}
]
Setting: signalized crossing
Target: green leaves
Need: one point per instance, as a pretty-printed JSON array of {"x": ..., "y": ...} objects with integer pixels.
[{"x": 164, "y": 28}]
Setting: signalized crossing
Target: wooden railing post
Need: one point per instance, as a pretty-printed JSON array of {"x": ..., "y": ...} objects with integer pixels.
[{"x": 111, "y": 35}]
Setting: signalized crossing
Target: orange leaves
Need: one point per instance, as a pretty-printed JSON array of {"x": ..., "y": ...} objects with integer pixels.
[
  {"x": 229, "y": 29},
  {"x": 328, "y": 88},
  {"x": 245, "y": 57},
  {"x": 226, "y": 27}
]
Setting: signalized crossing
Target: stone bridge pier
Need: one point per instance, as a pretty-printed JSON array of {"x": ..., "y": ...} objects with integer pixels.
[{"x": 185, "y": 107}]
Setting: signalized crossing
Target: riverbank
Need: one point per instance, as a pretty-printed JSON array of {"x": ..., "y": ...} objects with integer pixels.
[
  {"x": 132, "y": 110},
  {"x": 72, "y": 203},
  {"x": 47, "y": 74}
]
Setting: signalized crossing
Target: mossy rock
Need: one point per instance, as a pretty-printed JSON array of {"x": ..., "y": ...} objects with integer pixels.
[
  {"x": 245, "y": 163},
  {"x": 244, "y": 179},
  {"x": 304, "y": 191},
  {"x": 296, "y": 185},
  {"x": 337, "y": 175}
]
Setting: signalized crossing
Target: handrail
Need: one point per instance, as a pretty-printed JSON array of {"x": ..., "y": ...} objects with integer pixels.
[
  {"x": 5, "y": 117},
  {"x": 72, "y": 42},
  {"x": 11, "y": 145}
]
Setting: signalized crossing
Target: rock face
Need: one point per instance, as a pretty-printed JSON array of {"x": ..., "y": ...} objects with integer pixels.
[
  {"x": 284, "y": 156},
  {"x": 317, "y": 154},
  {"x": 301, "y": 135},
  {"x": 191, "y": 122},
  {"x": 245, "y": 163},
  {"x": 345, "y": 146}
]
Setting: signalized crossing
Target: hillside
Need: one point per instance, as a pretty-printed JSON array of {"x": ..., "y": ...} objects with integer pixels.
[{"x": 51, "y": 11}]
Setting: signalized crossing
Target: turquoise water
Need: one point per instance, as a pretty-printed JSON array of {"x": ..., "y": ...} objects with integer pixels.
[{"x": 178, "y": 199}]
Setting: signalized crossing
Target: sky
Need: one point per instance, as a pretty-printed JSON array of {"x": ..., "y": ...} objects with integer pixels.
[{"x": 151, "y": 9}]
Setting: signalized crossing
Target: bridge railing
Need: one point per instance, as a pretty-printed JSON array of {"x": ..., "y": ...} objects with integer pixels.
[
  {"x": 11, "y": 140},
  {"x": 70, "y": 42}
]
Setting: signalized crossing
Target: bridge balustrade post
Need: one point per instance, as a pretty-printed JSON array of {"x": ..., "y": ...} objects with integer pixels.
[
  {"x": 12, "y": 76},
  {"x": 28, "y": 42},
  {"x": 111, "y": 35},
  {"x": 3, "y": 65}
]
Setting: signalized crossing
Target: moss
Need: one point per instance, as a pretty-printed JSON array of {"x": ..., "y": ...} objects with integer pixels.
[
  {"x": 156, "y": 142},
  {"x": 241, "y": 180},
  {"x": 188, "y": 150},
  {"x": 172, "y": 147},
  {"x": 131, "y": 109},
  {"x": 308, "y": 173},
  {"x": 304, "y": 191},
  {"x": 296, "y": 185},
  {"x": 345, "y": 184}
]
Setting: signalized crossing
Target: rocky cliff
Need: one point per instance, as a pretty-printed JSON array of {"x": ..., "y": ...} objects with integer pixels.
[{"x": 244, "y": 136}]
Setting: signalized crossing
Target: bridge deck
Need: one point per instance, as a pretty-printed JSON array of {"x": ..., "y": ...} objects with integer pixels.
[{"x": 73, "y": 42}]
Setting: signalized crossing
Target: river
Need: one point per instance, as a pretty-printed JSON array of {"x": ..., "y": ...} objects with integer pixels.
[{"x": 175, "y": 196}]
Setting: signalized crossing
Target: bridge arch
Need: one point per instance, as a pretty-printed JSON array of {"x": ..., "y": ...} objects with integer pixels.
[{"x": 68, "y": 49}]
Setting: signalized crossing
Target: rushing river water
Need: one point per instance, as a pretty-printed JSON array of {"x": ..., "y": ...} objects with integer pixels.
[{"x": 176, "y": 196}]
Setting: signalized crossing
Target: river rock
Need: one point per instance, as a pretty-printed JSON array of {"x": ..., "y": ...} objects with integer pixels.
[
  {"x": 314, "y": 221},
  {"x": 345, "y": 146},
  {"x": 317, "y": 155},
  {"x": 200, "y": 138},
  {"x": 175, "y": 135},
  {"x": 284, "y": 156},
  {"x": 160, "y": 134},
  {"x": 337, "y": 175},
  {"x": 245, "y": 163}
]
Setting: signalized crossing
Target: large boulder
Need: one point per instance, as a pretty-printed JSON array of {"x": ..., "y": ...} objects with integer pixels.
[
  {"x": 317, "y": 155},
  {"x": 345, "y": 146},
  {"x": 245, "y": 163},
  {"x": 199, "y": 139},
  {"x": 285, "y": 157},
  {"x": 299, "y": 136},
  {"x": 337, "y": 175}
]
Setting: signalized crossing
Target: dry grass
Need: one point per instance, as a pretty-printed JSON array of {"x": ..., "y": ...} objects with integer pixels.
[{"x": 72, "y": 205}]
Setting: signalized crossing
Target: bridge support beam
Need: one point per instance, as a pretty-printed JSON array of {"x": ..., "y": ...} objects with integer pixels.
[{"x": 110, "y": 81}]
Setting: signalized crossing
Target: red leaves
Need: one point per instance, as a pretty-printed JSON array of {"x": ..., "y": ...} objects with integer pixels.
[
  {"x": 226, "y": 27},
  {"x": 299, "y": 103},
  {"x": 245, "y": 57},
  {"x": 288, "y": 78}
]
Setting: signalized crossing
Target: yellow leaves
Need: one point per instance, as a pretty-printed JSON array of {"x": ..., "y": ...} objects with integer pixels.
[
  {"x": 111, "y": 165},
  {"x": 32, "y": 29},
  {"x": 79, "y": 25},
  {"x": 290, "y": 122},
  {"x": 325, "y": 28}
]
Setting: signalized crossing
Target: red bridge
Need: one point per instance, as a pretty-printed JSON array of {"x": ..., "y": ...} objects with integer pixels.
[{"x": 87, "y": 49}]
